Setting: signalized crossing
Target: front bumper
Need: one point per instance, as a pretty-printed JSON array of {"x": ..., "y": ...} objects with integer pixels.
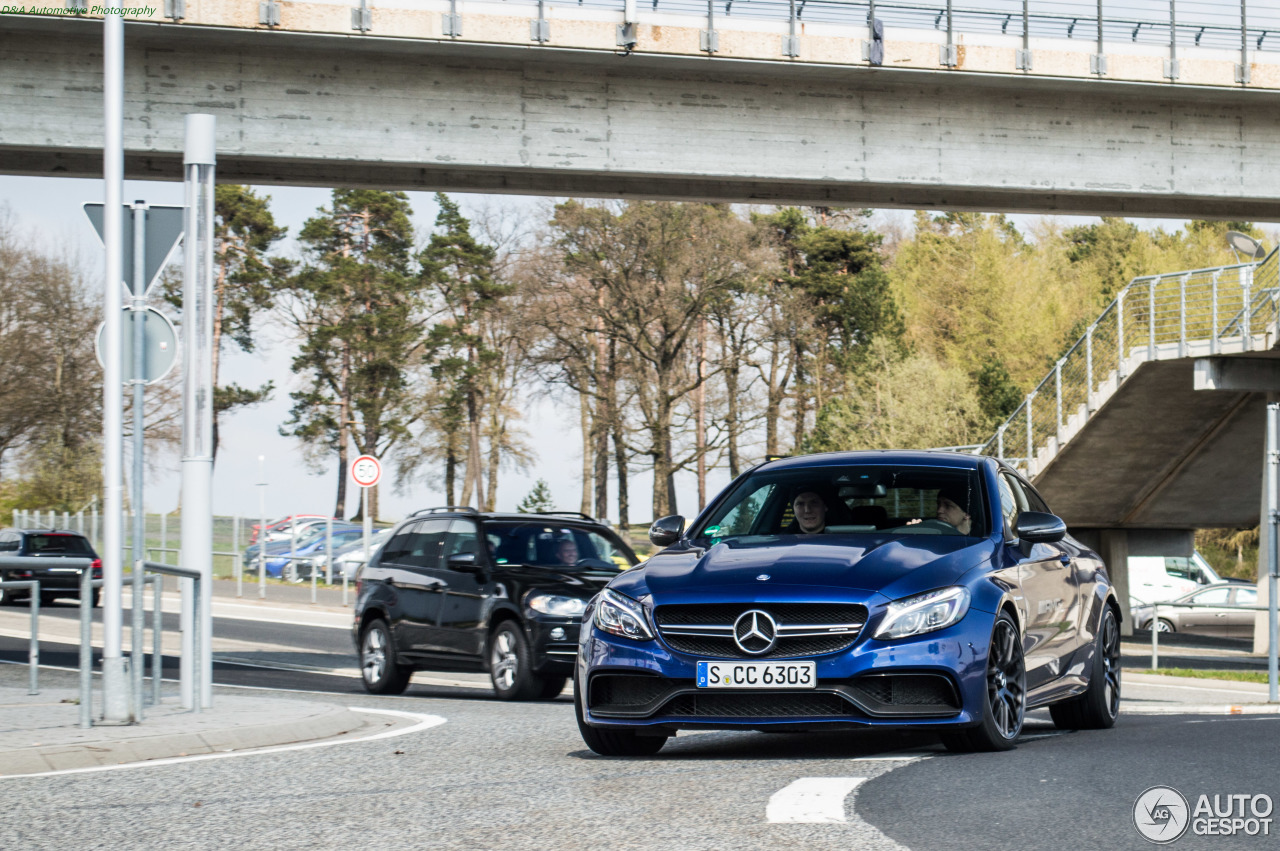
[
  {"x": 935, "y": 680},
  {"x": 553, "y": 642}
]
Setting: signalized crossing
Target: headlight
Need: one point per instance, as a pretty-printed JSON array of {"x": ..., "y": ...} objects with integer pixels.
[
  {"x": 622, "y": 616},
  {"x": 551, "y": 604},
  {"x": 924, "y": 613}
]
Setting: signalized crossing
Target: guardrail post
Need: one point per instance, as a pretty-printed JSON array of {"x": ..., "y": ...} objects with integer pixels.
[
  {"x": 1151, "y": 319},
  {"x": 1023, "y": 58},
  {"x": 1155, "y": 633},
  {"x": 1088, "y": 369},
  {"x": 1213, "y": 298},
  {"x": 1182, "y": 316},
  {"x": 1030, "y": 452},
  {"x": 1000, "y": 441},
  {"x": 1171, "y": 65},
  {"x": 949, "y": 54},
  {"x": 710, "y": 40},
  {"x": 157, "y": 637},
  {"x": 1246, "y": 280},
  {"x": 86, "y": 649},
  {"x": 1057, "y": 392},
  {"x": 1120, "y": 335},
  {"x": 1098, "y": 62},
  {"x": 1242, "y": 70}
]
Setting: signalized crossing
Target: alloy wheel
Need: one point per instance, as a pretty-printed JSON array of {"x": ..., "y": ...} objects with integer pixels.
[
  {"x": 503, "y": 660},
  {"x": 1111, "y": 663},
  {"x": 374, "y": 663},
  {"x": 1006, "y": 680}
]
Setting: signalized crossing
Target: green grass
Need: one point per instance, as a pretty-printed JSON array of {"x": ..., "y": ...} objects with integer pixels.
[{"x": 1239, "y": 676}]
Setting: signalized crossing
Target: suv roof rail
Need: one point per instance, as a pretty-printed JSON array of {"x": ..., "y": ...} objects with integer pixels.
[
  {"x": 567, "y": 514},
  {"x": 441, "y": 509}
]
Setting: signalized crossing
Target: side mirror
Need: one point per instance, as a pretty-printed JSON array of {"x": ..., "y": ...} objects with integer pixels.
[
  {"x": 463, "y": 563},
  {"x": 1037, "y": 527},
  {"x": 665, "y": 531}
]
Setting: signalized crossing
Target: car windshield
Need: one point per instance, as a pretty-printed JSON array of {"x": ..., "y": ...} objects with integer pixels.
[
  {"x": 851, "y": 500},
  {"x": 552, "y": 544}
]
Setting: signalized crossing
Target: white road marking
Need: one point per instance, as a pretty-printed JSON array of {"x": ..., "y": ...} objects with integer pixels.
[
  {"x": 425, "y": 722},
  {"x": 811, "y": 800}
]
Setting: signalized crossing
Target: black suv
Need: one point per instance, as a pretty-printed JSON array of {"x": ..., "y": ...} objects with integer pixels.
[
  {"x": 54, "y": 582},
  {"x": 454, "y": 589}
]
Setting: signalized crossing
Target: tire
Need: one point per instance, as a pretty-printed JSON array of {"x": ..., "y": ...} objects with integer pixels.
[
  {"x": 47, "y": 598},
  {"x": 379, "y": 671},
  {"x": 1099, "y": 706},
  {"x": 614, "y": 742},
  {"x": 1165, "y": 626},
  {"x": 552, "y": 686},
  {"x": 1005, "y": 703},
  {"x": 511, "y": 665}
]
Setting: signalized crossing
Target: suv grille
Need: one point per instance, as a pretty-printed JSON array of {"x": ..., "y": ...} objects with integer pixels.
[{"x": 804, "y": 629}]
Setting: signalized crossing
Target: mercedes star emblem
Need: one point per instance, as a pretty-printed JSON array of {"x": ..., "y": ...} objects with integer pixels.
[{"x": 755, "y": 632}]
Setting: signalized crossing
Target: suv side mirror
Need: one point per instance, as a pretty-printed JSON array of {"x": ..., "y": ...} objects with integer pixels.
[
  {"x": 1037, "y": 527},
  {"x": 665, "y": 531},
  {"x": 463, "y": 563}
]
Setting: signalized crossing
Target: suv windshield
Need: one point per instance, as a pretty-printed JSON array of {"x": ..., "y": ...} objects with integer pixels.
[
  {"x": 854, "y": 499},
  {"x": 553, "y": 544}
]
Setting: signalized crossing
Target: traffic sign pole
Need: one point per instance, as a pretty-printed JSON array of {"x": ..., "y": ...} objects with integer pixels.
[
  {"x": 136, "y": 638},
  {"x": 366, "y": 471}
]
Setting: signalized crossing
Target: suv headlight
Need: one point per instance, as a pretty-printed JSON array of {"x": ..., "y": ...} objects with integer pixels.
[
  {"x": 622, "y": 616},
  {"x": 924, "y": 613},
  {"x": 553, "y": 604}
]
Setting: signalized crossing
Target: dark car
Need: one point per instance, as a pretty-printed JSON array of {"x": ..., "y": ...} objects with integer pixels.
[
  {"x": 453, "y": 589},
  {"x": 54, "y": 582},
  {"x": 927, "y": 590}
]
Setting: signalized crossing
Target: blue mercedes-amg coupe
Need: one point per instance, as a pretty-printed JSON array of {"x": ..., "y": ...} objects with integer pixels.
[{"x": 928, "y": 590}]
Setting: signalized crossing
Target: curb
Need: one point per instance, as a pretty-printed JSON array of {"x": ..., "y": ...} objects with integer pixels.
[
  {"x": 1204, "y": 709},
  {"x": 330, "y": 721}
]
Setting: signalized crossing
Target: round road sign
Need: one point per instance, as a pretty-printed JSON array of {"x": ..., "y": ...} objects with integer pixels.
[{"x": 366, "y": 470}]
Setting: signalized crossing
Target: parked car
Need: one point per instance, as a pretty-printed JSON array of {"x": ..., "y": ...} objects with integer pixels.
[
  {"x": 460, "y": 590},
  {"x": 310, "y": 557},
  {"x": 1230, "y": 614},
  {"x": 350, "y": 558},
  {"x": 307, "y": 543},
  {"x": 56, "y": 581},
  {"x": 302, "y": 529},
  {"x": 936, "y": 591},
  {"x": 278, "y": 525}
]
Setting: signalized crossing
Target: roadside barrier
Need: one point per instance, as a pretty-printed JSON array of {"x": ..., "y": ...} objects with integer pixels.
[
  {"x": 1155, "y": 622},
  {"x": 33, "y": 649}
]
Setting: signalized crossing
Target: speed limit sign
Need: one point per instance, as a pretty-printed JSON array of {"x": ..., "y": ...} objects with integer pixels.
[{"x": 366, "y": 470}]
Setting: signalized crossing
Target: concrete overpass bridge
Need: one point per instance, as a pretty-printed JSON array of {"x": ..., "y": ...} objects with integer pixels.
[{"x": 999, "y": 105}]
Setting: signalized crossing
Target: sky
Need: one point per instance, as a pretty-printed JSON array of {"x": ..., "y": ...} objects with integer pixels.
[{"x": 251, "y": 448}]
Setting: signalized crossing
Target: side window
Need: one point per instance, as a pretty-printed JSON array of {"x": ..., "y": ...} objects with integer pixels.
[
  {"x": 426, "y": 544},
  {"x": 8, "y": 542},
  {"x": 398, "y": 547},
  {"x": 1213, "y": 597},
  {"x": 1246, "y": 596},
  {"x": 1008, "y": 505},
  {"x": 463, "y": 538},
  {"x": 1034, "y": 502},
  {"x": 1179, "y": 568}
]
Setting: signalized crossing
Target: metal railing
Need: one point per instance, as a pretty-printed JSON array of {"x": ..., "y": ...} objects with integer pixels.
[
  {"x": 1155, "y": 621},
  {"x": 196, "y": 631},
  {"x": 1195, "y": 313},
  {"x": 33, "y": 646}
]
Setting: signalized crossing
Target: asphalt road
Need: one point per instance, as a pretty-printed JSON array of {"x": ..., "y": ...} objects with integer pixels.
[{"x": 501, "y": 775}]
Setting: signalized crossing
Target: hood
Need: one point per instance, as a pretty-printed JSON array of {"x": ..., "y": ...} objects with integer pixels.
[{"x": 891, "y": 566}]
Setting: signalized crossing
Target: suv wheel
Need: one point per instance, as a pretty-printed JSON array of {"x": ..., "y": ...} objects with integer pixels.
[
  {"x": 379, "y": 670},
  {"x": 511, "y": 669}
]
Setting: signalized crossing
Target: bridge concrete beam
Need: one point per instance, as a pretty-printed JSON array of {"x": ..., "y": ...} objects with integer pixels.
[
  {"x": 1248, "y": 374},
  {"x": 399, "y": 113}
]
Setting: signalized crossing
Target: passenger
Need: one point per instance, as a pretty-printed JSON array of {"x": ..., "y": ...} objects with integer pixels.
[
  {"x": 953, "y": 508},
  {"x": 810, "y": 509}
]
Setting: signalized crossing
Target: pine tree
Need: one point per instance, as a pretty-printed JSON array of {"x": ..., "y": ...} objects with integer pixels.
[{"x": 538, "y": 499}]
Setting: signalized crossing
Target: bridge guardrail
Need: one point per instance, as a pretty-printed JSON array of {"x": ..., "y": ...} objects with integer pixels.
[
  {"x": 1155, "y": 620},
  {"x": 1198, "y": 312}
]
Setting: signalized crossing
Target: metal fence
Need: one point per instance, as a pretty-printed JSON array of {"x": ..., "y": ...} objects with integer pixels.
[{"x": 1200, "y": 312}]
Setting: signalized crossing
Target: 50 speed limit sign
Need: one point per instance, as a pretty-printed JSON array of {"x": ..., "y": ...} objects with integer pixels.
[{"x": 366, "y": 470}]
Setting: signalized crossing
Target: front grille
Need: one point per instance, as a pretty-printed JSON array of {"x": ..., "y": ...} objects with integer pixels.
[
  {"x": 757, "y": 706},
  {"x": 614, "y": 691},
  {"x": 713, "y": 625}
]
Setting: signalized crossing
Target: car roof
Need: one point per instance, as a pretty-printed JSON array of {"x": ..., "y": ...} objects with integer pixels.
[
  {"x": 559, "y": 517},
  {"x": 912, "y": 458},
  {"x": 48, "y": 531}
]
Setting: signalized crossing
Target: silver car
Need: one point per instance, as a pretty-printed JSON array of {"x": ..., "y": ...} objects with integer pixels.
[
  {"x": 1224, "y": 609},
  {"x": 350, "y": 558}
]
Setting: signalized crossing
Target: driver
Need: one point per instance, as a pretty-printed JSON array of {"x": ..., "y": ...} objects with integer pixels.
[
  {"x": 953, "y": 508},
  {"x": 810, "y": 509},
  {"x": 566, "y": 550}
]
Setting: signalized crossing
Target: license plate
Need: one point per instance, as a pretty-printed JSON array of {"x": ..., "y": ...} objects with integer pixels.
[{"x": 775, "y": 675}]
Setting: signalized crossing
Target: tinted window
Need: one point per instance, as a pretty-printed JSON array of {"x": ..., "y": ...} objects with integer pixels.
[
  {"x": 425, "y": 544},
  {"x": 63, "y": 545},
  {"x": 554, "y": 545},
  {"x": 8, "y": 542},
  {"x": 398, "y": 546},
  {"x": 463, "y": 538},
  {"x": 856, "y": 499}
]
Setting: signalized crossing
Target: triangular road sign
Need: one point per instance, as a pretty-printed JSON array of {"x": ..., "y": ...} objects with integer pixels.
[{"x": 164, "y": 232}]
